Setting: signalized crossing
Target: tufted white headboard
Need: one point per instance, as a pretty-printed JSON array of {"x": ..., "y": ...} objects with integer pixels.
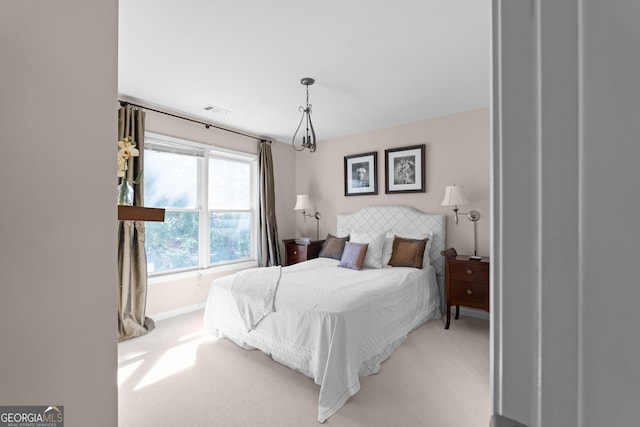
[{"x": 400, "y": 219}]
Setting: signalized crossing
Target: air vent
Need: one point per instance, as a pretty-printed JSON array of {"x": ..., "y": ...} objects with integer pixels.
[{"x": 215, "y": 110}]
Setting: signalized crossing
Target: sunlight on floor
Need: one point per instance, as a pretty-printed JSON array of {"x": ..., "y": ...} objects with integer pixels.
[
  {"x": 125, "y": 372},
  {"x": 174, "y": 360},
  {"x": 125, "y": 357},
  {"x": 197, "y": 334}
]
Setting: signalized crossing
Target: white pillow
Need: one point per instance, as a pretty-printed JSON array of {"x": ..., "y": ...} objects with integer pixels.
[
  {"x": 375, "y": 240},
  {"x": 388, "y": 246}
]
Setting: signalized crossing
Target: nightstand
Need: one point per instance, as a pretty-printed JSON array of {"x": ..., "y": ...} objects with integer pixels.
[
  {"x": 466, "y": 282},
  {"x": 298, "y": 252}
]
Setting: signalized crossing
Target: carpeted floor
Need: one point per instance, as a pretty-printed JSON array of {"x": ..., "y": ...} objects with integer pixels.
[{"x": 180, "y": 376}]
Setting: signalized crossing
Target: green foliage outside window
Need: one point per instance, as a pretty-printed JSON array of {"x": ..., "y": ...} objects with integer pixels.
[
  {"x": 230, "y": 236},
  {"x": 172, "y": 244}
]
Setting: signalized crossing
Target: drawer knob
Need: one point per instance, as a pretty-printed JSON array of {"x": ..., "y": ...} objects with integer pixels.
[
  {"x": 469, "y": 291},
  {"x": 469, "y": 272},
  {"x": 295, "y": 252}
]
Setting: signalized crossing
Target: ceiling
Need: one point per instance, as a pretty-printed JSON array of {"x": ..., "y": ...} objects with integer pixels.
[{"x": 376, "y": 63}]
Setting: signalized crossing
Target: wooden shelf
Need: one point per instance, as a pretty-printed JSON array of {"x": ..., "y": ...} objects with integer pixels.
[{"x": 138, "y": 213}]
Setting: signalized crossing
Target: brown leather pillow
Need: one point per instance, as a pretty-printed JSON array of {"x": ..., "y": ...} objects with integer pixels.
[
  {"x": 333, "y": 247},
  {"x": 407, "y": 252},
  {"x": 353, "y": 255}
]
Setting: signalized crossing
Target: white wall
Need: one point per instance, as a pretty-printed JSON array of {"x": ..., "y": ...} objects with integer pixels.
[
  {"x": 457, "y": 150},
  {"x": 565, "y": 337},
  {"x": 58, "y": 287}
]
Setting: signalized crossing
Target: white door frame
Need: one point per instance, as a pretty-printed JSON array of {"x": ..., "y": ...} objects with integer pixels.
[{"x": 535, "y": 212}]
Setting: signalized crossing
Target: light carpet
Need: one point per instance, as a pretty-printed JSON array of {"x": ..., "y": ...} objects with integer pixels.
[{"x": 179, "y": 375}]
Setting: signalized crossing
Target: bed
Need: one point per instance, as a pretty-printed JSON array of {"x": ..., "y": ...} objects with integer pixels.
[{"x": 331, "y": 323}]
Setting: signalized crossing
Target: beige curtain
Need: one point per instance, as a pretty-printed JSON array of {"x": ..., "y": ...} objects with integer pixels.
[
  {"x": 268, "y": 247},
  {"x": 132, "y": 258}
]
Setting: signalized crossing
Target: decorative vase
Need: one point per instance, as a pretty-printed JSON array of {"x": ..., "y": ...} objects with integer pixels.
[{"x": 125, "y": 192}]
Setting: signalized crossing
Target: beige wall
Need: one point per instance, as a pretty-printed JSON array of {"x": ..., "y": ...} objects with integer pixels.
[
  {"x": 457, "y": 150},
  {"x": 58, "y": 272}
]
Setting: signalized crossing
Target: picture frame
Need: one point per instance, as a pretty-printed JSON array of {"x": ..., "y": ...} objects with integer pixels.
[
  {"x": 361, "y": 174},
  {"x": 404, "y": 169}
]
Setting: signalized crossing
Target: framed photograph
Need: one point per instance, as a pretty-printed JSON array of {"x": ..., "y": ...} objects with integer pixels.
[
  {"x": 360, "y": 174},
  {"x": 404, "y": 170}
]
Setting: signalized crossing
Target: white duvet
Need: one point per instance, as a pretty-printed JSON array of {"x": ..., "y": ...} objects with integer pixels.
[{"x": 332, "y": 324}]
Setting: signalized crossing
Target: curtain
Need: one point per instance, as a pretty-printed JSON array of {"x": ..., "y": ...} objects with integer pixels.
[
  {"x": 132, "y": 258},
  {"x": 268, "y": 247}
]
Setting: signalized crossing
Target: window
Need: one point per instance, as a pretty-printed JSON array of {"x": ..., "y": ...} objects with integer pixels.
[
  {"x": 229, "y": 209},
  {"x": 209, "y": 200}
]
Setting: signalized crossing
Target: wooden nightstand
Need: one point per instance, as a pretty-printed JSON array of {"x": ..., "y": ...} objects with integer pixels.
[
  {"x": 466, "y": 282},
  {"x": 298, "y": 252}
]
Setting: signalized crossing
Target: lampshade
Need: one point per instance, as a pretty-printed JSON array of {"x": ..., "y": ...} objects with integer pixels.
[
  {"x": 452, "y": 196},
  {"x": 302, "y": 203}
]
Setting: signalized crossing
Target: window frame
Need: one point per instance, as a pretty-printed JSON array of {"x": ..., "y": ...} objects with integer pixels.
[{"x": 203, "y": 153}]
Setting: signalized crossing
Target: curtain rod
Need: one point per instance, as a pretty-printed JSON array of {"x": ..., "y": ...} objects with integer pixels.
[{"x": 206, "y": 125}]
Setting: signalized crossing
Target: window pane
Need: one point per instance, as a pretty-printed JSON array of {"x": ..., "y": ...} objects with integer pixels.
[
  {"x": 230, "y": 236},
  {"x": 170, "y": 180},
  {"x": 172, "y": 244},
  {"x": 229, "y": 184}
]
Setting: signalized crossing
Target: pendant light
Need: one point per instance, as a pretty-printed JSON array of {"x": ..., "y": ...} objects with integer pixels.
[{"x": 309, "y": 134}]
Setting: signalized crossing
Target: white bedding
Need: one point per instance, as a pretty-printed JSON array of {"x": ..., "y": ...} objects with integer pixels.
[
  {"x": 254, "y": 292},
  {"x": 332, "y": 324}
]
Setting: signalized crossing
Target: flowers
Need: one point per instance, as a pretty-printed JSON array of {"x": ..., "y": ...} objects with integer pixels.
[{"x": 126, "y": 150}]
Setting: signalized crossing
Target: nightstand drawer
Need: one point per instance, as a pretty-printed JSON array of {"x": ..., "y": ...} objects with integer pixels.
[
  {"x": 296, "y": 253},
  {"x": 471, "y": 294},
  {"x": 470, "y": 272}
]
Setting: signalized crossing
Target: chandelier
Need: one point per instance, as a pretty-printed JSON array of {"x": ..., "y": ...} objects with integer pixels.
[{"x": 309, "y": 136}]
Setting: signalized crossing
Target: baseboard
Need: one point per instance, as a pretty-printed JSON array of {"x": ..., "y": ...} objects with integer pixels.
[
  {"x": 177, "y": 312},
  {"x": 478, "y": 314},
  {"x": 500, "y": 421}
]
